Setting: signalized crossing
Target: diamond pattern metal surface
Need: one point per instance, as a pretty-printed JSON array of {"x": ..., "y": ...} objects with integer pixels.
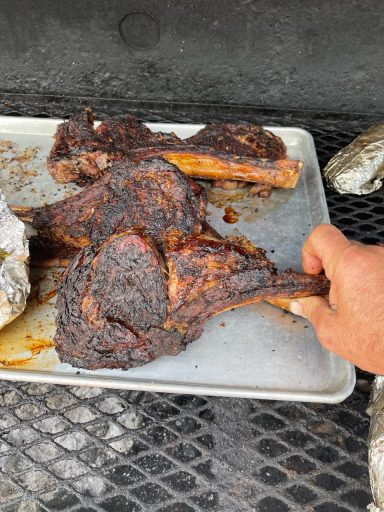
[
  {"x": 94, "y": 450},
  {"x": 156, "y": 452}
]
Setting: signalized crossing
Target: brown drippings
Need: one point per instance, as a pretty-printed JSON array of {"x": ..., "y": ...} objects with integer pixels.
[
  {"x": 6, "y": 145},
  {"x": 251, "y": 208},
  {"x": 45, "y": 360},
  {"x": 44, "y": 286},
  {"x": 221, "y": 198},
  {"x": 27, "y": 342},
  {"x": 47, "y": 297},
  {"x": 27, "y": 155},
  {"x": 15, "y": 356},
  {"x": 231, "y": 216},
  {"x": 36, "y": 345},
  {"x": 19, "y": 163}
]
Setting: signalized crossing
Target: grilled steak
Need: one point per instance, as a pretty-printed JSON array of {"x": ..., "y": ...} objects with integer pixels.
[
  {"x": 82, "y": 153},
  {"x": 78, "y": 152},
  {"x": 241, "y": 139},
  {"x": 118, "y": 306},
  {"x": 209, "y": 274},
  {"x": 126, "y": 133},
  {"x": 153, "y": 195},
  {"x": 109, "y": 301}
]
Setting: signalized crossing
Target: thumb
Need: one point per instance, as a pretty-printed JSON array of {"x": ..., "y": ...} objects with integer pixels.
[{"x": 315, "y": 308}]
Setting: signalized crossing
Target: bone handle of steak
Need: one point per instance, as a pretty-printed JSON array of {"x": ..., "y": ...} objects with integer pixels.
[
  {"x": 283, "y": 302},
  {"x": 274, "y": 173},
  {"x": 284, "y": 290}
]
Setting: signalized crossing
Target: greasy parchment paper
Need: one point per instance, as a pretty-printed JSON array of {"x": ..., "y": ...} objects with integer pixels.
[
  {"x": 376, "y": 444},
  {"x": 14, "y": 254},
  {"x": 359, "y": 167}
]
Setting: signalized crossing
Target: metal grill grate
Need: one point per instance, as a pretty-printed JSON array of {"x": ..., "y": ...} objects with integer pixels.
[
  {"x": 87, "y": 450},
  {"x": 92, "y": 449}
]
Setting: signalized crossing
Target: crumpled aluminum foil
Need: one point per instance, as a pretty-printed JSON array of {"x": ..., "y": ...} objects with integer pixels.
[
  {"x": 14, "y": 255},
  {"x": 376, "y": 444},
  {"x": 359, "y": 167}
]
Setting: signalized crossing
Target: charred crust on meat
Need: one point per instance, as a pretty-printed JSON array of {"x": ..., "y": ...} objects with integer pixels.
[
  {"x": 241, "y": 139},
  {"x": 153, "y": 195},
  {"x": 112, "y": 306},
  {"x": 126, "y": 133},
  {"x": 81, "y": 152},
  {"x": 78, "y": 151}
]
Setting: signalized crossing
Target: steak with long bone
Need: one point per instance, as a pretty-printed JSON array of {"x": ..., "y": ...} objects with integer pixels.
[
  {"x": 124, "y": 303},
  {"x": 81, "y": 152}
]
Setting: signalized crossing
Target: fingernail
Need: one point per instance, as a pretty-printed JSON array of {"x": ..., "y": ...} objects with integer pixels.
[{"x": 296, "y": 308}]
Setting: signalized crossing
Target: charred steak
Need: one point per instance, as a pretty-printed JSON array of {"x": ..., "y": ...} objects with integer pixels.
[
  {"x": 126, "y": 133},
  {"x": 123, "y": 304},
  {"x": 78, "y": 151},
  {"x": 153, "y": 195},
  {"x": 241, "y": 139},
  {"x": 81, "y": 153},
  {"x": 109, "y": 302}
]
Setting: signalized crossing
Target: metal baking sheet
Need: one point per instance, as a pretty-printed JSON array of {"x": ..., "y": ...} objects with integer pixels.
[{"x": 257, "y": 351}]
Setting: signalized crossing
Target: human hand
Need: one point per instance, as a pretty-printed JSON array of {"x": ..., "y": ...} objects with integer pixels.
[{"x": 351, "y": 322}]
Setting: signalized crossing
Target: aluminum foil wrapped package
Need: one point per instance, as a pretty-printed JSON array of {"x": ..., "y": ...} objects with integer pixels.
[
  {"x": 376, "y": 445},
  {"x": 359, "y": 167},
  {"x": 14, "y": 255}
]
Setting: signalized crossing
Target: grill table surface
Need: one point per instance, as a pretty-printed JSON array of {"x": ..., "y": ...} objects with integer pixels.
[{"x": 87, "y": 449}]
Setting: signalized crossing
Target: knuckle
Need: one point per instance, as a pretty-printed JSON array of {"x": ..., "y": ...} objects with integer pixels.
[{"x": 325, "y": 230}]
